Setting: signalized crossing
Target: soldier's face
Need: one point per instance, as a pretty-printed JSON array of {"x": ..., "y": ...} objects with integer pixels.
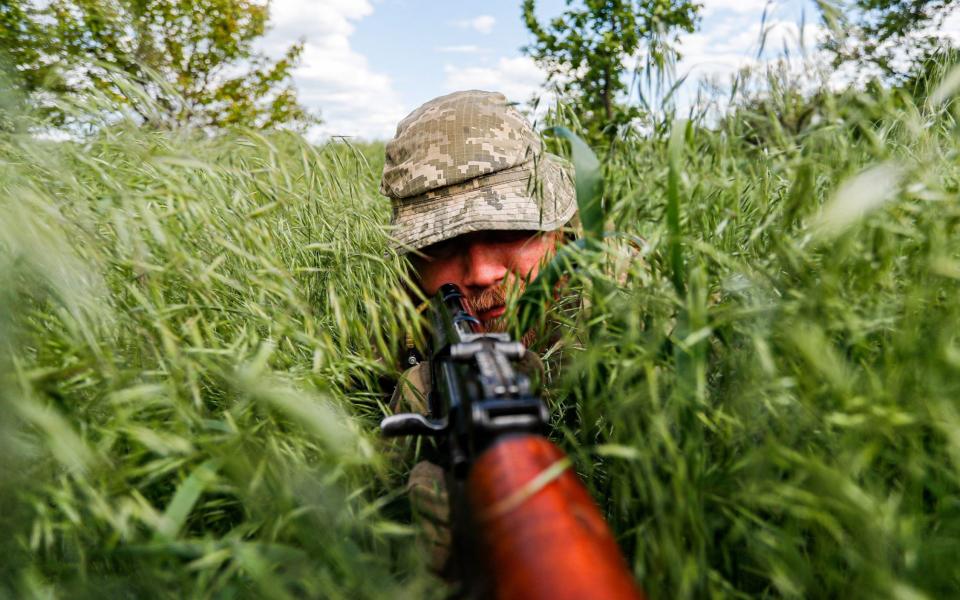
[{"x": 484, "y": 264}]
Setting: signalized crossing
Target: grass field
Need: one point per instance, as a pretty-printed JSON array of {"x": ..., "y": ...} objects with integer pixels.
[{"x": 191, "y": 372}]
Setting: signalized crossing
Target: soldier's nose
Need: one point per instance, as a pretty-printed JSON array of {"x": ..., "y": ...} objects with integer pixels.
[{"x": 484, "y": 266}]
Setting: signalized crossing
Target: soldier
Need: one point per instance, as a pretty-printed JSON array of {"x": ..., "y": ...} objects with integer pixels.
[{"x": 476, "y": 202}]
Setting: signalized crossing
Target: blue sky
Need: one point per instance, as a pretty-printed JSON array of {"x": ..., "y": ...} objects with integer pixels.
[{"x": 368, "y": 63}]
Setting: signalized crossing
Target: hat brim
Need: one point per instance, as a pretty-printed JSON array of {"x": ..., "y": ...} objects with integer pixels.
[{"x": 538, "y": 195}]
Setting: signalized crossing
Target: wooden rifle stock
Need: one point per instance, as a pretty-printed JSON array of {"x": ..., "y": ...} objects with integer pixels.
[{"x": 539, "y": 531}]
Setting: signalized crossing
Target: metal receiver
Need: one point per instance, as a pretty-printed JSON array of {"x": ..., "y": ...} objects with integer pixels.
[{"x": 478, "y": 394}]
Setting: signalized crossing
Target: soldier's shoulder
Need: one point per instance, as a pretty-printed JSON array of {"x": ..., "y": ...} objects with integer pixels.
[{"x": 413, "y": 387}]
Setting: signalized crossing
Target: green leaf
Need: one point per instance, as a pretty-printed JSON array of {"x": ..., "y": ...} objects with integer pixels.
[
  {"x": 674, "y": 155},
  {"x": 589, "y": 181},
  {"x": 184, "y": 500},
  {"x": 589, "y": 184},
  {"x": 538, "y": 292}
]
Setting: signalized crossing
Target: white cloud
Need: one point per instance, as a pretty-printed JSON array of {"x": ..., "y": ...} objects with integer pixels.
[
  {"x": 951, "y": 27},
  {"x": 483, "y": 23},
  {"x": 738, "y": 6},
  {"x": 465, "y": 49},
  {"x": 518, "y": 78},
  {"x": 353, "y": 99},
  {"x": 730, "y": 42},
  {"x": 729, "y": 46}
]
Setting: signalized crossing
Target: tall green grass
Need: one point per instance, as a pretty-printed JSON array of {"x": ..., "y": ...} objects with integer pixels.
[
  {"x": 193, "y": 336},
  {"x": 191, "y": 343}
]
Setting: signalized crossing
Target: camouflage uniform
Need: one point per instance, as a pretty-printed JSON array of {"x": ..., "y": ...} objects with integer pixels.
[{"x": 461, "y": 163}]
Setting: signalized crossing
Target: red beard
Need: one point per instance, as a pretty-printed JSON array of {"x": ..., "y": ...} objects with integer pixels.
[
  {"x": 488, "y": 299},
  {"x": 491, "y": 298}
]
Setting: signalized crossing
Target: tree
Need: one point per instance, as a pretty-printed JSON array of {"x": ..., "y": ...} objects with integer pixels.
[
  {"x": 897, "y": 37},
  {"x": 194, "y": 58},
  {"x": 586, "y": 51},
  {"x": 19, "y": 31}
]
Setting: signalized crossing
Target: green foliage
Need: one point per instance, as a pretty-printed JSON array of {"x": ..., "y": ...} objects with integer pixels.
[
  {"x": 783, "y": 418},
  {"x": 585, "y": 52},
  {"x": 190, "y": 342},
  {"x": 195, "y": 59},
  {"x": 762, "y": 396},
  {"x": 19, "y": 36},
  {"x": 589, "y": 189},
  {"x": 897, "y": 37}
]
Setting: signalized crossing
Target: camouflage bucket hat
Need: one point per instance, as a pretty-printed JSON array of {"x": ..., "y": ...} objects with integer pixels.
[{"x": 469, "y": 162}]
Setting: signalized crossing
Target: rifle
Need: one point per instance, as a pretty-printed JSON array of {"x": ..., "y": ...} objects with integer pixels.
[{"x": 524, "y": 526}]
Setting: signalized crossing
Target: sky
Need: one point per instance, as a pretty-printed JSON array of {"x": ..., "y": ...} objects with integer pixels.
[{"x": 368, "y": 63}]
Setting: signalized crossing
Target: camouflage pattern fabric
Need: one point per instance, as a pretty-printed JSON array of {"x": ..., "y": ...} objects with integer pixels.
[
  {"x": 469, "y": 161},
  {"x": 427, "y": 491},
  {"x": 426, "y": 486}
]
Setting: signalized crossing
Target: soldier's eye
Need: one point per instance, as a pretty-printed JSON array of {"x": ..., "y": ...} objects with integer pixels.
[
  {"x": 513, "y": 237},
  {"x": 440, "y": 250}
]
